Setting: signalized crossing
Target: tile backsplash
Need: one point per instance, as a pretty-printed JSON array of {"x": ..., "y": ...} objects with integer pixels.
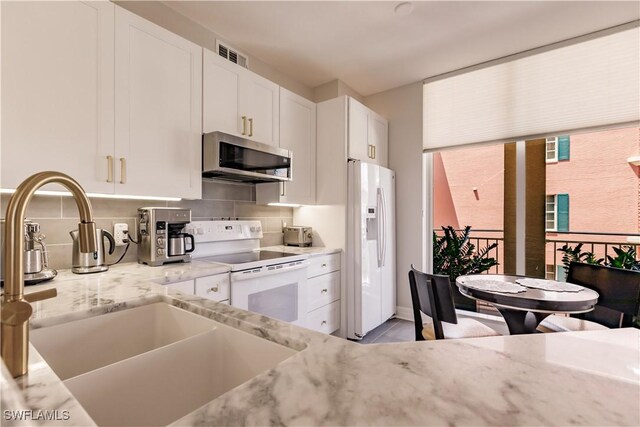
[{"x": 58, "y": 215}]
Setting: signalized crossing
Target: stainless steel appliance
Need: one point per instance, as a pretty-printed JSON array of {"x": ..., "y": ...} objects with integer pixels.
[
  {"x": 298, "y": 236},
  {"x": 237, "y": 159},
  {"x": 266, "y": 282},
  {"x": 35, "y": 259},
  {"x": 95, "y": 262},
  {"x": 161, "y": 236}
]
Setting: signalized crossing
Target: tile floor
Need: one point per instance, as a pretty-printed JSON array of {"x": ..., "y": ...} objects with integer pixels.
[{"x": 399, "y": 330}]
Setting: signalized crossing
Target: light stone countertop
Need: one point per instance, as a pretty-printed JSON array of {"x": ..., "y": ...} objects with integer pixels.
[
  {"x": 308, "y": 250},
  {"x": 577, "y": 378}
]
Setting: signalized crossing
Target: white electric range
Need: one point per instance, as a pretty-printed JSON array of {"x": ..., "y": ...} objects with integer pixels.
[{"x": 266, "y": 282}]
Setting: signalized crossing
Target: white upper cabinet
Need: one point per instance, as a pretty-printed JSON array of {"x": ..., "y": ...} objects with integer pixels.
[
  {"x": 57, "y": 91},
  {"x": 298, "y": 134},
  {"x": 368, "y": 134},
  {"x": 239, "y": 102},
  {"x": 158, "y": 104},
  {"x": 96, "y": 92}
]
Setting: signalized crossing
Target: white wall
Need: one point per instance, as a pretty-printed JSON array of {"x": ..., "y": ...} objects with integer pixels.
[{"x": 403, "y": 108}]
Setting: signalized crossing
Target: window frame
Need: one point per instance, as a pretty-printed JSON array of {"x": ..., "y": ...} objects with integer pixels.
[
  {"x": 547, "y": 211},
  {"x": 552, "y": 140}
]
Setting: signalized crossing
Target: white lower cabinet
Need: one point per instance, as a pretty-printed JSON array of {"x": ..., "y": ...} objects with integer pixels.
[
  {"x": 213, "y": 287},
  {"x": 323, "y": 293}
]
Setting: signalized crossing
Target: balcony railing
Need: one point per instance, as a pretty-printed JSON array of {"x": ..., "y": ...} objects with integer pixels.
[{"x": 600, "y": 244}]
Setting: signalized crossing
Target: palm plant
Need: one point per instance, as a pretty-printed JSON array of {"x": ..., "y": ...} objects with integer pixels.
[
  {"x": 625, "y": 257},
  {"x": 454, "y": 255}
]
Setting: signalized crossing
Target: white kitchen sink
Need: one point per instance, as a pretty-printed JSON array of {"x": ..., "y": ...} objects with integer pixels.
[{"x": 153, "y": 364}]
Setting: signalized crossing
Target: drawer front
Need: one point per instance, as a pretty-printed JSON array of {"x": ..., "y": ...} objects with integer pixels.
[
  {"x": 213, "y": 287},
  {"x": 323, "y": 265},
  {"x": 321, "y": 290},
  {"x": 325, "y": 319},
  {"x": 185, "y": 286}
]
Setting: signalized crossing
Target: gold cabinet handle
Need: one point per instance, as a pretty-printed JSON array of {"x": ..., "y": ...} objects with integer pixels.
[
  {"x": 373, "y": 147},
  {"x": 251, "y": 127},
  {"x": 282, "y": 189},
  {"x": 324, "y": 291},
  {"x": 109, "y": 168},
  {"x": 214, "y": 289},
  {"x": 123, "y": 170},
  {"x": 244, "y": 125}
]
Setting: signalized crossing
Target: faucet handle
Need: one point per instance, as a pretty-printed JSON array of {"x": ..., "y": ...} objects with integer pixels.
[{"x": 40, "y": 295}]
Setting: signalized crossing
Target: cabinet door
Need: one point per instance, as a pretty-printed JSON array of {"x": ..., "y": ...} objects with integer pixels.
[
  {"x": 358, "y": 131},
  {"x": 260, "y": 102},
  {"x": 221, "y": 84},
  {"x": 57, "y": 91},
  {"x": 298, "y": 134},
  {"x": 378, "y": 137},
  {"x": 158, "y": 97},
  {"x": 185, "y": 286},
  {"x": 213, "y": 287}
]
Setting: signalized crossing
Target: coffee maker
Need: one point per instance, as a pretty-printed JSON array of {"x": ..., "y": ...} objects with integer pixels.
[{"x": 161, "y": 236}]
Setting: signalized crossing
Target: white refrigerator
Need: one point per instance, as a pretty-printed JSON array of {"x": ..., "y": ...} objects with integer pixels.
[{"x": 371, "y": 265}]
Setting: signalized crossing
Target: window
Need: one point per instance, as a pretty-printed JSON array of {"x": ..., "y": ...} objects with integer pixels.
[
  {"x": 557, "y": 148},
  {"x": 552, "y": 150},
  {"x": 551, "y": 216},
  {"x": 550, "y": 273},
  {"x": 557, "y": 212}
]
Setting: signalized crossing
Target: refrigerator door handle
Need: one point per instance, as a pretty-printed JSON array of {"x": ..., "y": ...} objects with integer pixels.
[
  {"x": 384, "y": 226},
  {"x": 379, "y": 237}
]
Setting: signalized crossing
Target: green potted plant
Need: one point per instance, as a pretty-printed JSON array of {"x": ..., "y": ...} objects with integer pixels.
[{"x": 454, "y": 255}]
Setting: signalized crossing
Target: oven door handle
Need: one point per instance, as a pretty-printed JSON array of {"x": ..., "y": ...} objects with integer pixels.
[{"x": 251, "y": 274}]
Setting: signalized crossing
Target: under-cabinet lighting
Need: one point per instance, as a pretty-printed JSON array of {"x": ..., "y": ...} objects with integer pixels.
[
  {"x": 95, "y": 195},
  {"x": 285, "y": 205}
]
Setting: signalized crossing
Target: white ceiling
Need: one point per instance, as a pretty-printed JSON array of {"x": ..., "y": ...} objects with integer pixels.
[{"x": 369, "y": 47}]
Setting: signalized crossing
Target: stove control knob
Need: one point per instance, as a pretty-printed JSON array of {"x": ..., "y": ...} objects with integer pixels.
[
  {"x": 199, "y": 230},
  {"x": 160, "y": 242}
]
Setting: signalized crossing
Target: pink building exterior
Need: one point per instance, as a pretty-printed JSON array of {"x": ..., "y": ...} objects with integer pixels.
[{"x": 603, "y": 188}]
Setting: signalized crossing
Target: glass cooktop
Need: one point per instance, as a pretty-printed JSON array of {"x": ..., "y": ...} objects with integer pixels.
[{"x": 245, "y": 257}]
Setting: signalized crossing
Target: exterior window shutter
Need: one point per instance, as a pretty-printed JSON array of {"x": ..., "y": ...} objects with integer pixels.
[
  {"x": 563, "y": 212},
  {"x": 563, "y": 147}
]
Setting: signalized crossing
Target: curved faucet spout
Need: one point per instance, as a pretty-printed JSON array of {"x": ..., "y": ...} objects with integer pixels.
[{"x": 15, "y": 309}]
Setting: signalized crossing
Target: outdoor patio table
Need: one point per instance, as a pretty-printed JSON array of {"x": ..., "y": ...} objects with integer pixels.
[{"x": 524, "y": 311}]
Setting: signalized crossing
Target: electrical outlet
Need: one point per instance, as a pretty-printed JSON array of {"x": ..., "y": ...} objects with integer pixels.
[{"x": 120, "y": 235}]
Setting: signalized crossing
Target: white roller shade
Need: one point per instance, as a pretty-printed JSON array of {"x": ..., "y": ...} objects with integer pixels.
[{"x": 594, "y": 83}]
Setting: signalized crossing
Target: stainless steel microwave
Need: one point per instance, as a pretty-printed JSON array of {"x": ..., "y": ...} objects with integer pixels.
[{"x": 233, "y": 158}]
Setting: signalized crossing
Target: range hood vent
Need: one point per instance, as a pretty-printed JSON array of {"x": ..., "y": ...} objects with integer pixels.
[{"x": 232, "y": 54}]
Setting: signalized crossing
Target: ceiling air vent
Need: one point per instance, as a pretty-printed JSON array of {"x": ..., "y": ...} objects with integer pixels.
[{"x": 232, "y": 54}]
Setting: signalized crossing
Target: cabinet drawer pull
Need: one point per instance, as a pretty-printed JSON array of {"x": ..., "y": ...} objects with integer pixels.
[
  {"x": 325, "y": 290},
  {"x": 214, "y": 289},
  {"x": 324, "y": 265},
  {"x": 373, "y": 147},
  {"x": 123, "y": 170},
  {"x": 251, "y": 127},
  {"x": 324, "y": 322},
  {"x": 282, "y": 189},
  {"x": 109, "y": 168},
  {"x": 244, "y": 125}
]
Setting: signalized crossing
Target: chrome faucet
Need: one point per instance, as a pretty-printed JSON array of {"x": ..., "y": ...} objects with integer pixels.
[{"x": 16, "y": 310}]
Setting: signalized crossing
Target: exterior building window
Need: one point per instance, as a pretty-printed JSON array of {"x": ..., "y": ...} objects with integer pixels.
[
  {"x": 550, "y": 273},
  {"x": 557, "y": 212},
  {"x": 558, "y": 148},
  {"x": 552, "y": 150}
]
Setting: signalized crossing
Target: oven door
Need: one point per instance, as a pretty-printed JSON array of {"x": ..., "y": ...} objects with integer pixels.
[{"x": 275, "y": 291}]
